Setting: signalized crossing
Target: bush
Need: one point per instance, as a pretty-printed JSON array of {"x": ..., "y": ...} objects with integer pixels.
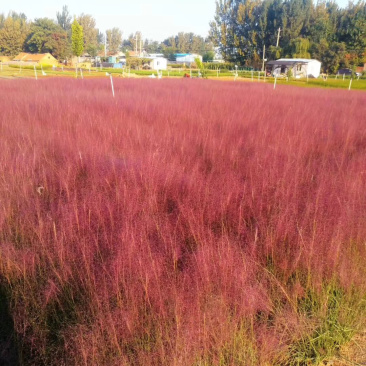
[
  {"x": 221, "y": 66},
  {"x": 289, "y": 74},
  {"x": 137, "y": 63},
  {"x": 177, "y": 66},
  {"x": 29, "y": 67}
]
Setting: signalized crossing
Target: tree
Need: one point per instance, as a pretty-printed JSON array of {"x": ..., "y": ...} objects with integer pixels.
[
  {"x": 208, "y": 56},
  {"x": 94, "y": 49},
  {"x": 59, "y": 45},
  {"x": 319, "y": 23},
  {"x": 235, "y": 30},
  {"x": 197, "y": 44},
  {"x": 64, "y": 18},
  {"x": 151, "y": 46},
  {"x": 114, "y": 40},
  {"x": 47, "y": 36},
  {"x": 352, "y": 31},
  {"x": 300, "y": 48},
  {"x": 333, "y": 56},
  {"x": 241, "y": 28},
  {"x": 273, "y": 52},
  {"x": 12, "y": 36},
  {"x": 129, "y": 43},
  {"x": 18, "y": 16},
  {"x": 77, "y": 41},
  {"x": 186, "y": 43},
  {"x": 183, "y": 40},
  {"x": 2, "y": 20},
  {"x": 169, "y": 46},
  {"x": 90, "y": 33}
]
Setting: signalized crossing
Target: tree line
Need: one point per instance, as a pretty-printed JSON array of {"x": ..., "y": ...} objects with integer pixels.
[
  {"x": 324, "y": 31},
  {"x": 58, "y": 37},
  {"x": 180, "y": 43}
]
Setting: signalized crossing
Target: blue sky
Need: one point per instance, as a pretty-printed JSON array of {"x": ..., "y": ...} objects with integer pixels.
[{"x": 156, "y": 19}]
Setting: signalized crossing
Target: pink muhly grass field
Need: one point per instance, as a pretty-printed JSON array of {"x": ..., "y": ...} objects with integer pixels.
[{"x": 183, "y": 222}]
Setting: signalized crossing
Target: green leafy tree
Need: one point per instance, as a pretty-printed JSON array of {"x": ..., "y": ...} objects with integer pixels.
[
  {"x": 151, "y": 46},
  {"x": 94, "y": 49},
  {"x": 236, "y": 31},
  {"x": 114, "y": 40},
  {"x": 129, "y": 43},
  {"x": 352, "y": 31},
  {"x": 18, "y": 16},
  {"x": 208, "y": 56},
  {"x": 169, "y": 46},
  {"x": 77, "y": 40},
  {"x": 333, "y": 55},
  {"x": 2, "y": 20},
  {"x": 296, "y": 25},
  {"x": 273, "y": 53},
  {"x": 186, "y": 43},
  {"x": 320, "y": 23},
  {"x": 60, "y": 45},
  {"x": 169, "y": 53},
  {"x": 47, "y": 36},
  {"x": 300, "y": 48},
  {"x": 90, "y": 33},
  {"x": 183, "y": 40},
  {"x": 12, "y": 36},
  {"x": 197, "y": 44},
  {"x": 64, "y": 18}
]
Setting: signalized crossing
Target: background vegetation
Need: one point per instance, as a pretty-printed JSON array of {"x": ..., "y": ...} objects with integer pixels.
[
  {"x": 321, "y": 30},
  {"x": 240, "y": 29}
]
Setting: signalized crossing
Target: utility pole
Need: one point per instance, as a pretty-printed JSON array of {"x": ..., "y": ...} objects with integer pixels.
[
  {"x": 136, "y": 44},
  {"x": 105, "y": 45},
  {"x": 278, "y": 36},
  {"x": 264, "y": 52},
  {"x": 140, "y": 45}
]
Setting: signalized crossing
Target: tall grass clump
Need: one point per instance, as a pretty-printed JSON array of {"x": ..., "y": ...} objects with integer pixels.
[{"x": 183, "y": 222}]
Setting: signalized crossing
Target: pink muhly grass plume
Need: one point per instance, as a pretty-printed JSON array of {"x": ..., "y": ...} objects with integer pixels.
[{"x": 182, "y": 222}]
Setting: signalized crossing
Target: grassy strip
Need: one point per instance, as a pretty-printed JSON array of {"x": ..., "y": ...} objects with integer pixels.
[{"x": 331, "y": 82}]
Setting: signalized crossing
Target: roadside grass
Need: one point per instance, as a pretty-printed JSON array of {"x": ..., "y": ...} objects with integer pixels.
[{"x": 330, "y": 82}]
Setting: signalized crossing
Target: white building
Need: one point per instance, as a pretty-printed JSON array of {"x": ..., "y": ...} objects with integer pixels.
[
  {"x": 155, "y": 55},
  {"x": 187, "y": 57},
  {"x": 300, "y": 67},
  {"x": 158, "y": 63}
]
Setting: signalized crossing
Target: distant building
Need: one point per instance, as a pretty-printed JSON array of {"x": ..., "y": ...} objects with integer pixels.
[
  {"x": 142, "y": 54},
  {"x": 300, "y": 67},
  {"x": 347, "y": 72},
  {"x": 158, "y": 63},
  {"x": 361, "y": 69},
  {"x": 35, "y": 59},
  {"x": 187, "y": 58},
  {"x": 155, "y": 55}
]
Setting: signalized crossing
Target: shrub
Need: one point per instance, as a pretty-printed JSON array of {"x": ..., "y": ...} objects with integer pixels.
[{"x": 29, "y": 67}]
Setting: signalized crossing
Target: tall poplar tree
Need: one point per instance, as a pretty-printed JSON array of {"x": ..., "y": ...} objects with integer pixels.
[
  {"x": 114, "y": 40},
  {"x": 77, "y": 39},
  {"x": 13, "y": 33}
]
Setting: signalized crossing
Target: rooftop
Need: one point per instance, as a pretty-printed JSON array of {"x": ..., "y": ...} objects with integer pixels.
[
  {"x": 23, "y": 56},
  {"x": 291, "y": 61}
]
